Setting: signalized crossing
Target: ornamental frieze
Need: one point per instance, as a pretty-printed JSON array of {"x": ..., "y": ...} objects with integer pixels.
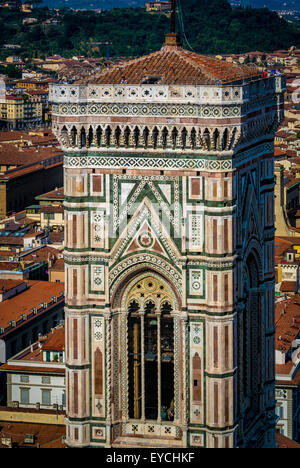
[
  {"x": 149, "y": 110},
  {"x": 145, "y": 163}
]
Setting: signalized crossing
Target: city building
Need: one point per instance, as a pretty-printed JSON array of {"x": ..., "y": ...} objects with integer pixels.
[
  {"x": 36, "y": 309},
  {"x": 20, "y": 112},
  {"x": 158, "y": 6},
  {"x": 169, "y": 242},
  {"x": 35, "y": 377},
  {"x": 288, "y": 366},
  {"x": 27, "y": 173},
  {"x": 31, "y": 429}
]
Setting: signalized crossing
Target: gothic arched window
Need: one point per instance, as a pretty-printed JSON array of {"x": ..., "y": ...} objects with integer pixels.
[{"x": 150, "y": 352}]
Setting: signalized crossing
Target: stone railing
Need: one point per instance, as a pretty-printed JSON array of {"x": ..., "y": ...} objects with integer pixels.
[{"x": 63, "y": 93}]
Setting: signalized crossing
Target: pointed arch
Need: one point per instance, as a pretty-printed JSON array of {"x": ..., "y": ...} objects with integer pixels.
[
  {"x": 65, "y": 135},
  {"x": 216, "y": 139},
  {"x": 117, "y": 136},
  {"x": 74, "y": 136},
  {"x": 184, "y": 135},
  {"x": 98, "y": 135},
  {"x": 193, "y": 138},
  {"x": 174, "y": 137},
  {"x": 136, "y": 136},
  {"x": 225, "y": 139},
  {"x": 155, "y": 134},
  {"x": 108, "y": 133},
  {"x": 82, "y": 138},
  {"x": 126, "y": 136},
  {"x": 206, "y": 139},
  {"x": 146, "y": 137},
  {"x": 164, "y": 136},
  {"x": 90, "y": 138}
]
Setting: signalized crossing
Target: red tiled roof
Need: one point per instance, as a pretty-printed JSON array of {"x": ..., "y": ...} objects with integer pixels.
[
  {"x": 33, "y": 369},
  {"x": 54, "y": 209},
  {"x": 174, "y": 65},
  {"x": 59, "y": 265},
  {"x": 287, "y": 320},
  {"x": 7, "y": 284},
  {"x": 55, "y": 340},
  {"x": 58, "y": 193},
  {"x": 285, "y": 442},
  {"x": 288, "y": 286},
  {"x": 37, "y": 293},
  {"x": 46, "y": 435}
]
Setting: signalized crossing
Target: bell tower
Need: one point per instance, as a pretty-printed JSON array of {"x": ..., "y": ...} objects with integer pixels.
[{"x": 169, "y": 252}]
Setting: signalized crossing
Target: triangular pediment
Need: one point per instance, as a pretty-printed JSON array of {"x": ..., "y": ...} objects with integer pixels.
[{"x": 145, "y": 232}]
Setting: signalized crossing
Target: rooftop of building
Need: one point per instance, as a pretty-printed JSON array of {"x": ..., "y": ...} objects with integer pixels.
[
  {"x": 38, "y": 294},
  {"x": 8, "y": 284},
  {"x": 52, "y": 209},
  {"x": 57, "y": 194},
  {"x": 24, "y": 171},
  {"x": 44, "y": 435},
  {"x": 287, "y": 322},
  {"x": 285, "y": 442},
  {"x": 173, "y": 65},
  {"x": 37, "y": 359},
  {"x": 11, "y": 155},
  {"x": 58, "y": 265}
]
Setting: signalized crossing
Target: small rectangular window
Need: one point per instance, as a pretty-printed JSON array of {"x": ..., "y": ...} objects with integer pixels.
[
  {"x": 24, "y": 396},
  {"x": 46, "y": 397},
  {"x": 24, "y": 378},
  {"x": 46, "y": 379}
]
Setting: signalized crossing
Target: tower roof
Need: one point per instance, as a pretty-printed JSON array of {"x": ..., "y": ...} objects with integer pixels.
[{"x": 173, "y": 65}]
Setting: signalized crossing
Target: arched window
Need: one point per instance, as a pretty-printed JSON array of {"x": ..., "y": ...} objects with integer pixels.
[
  {"x": 136, "y": 137},
  {"x": 126, "y": 137},
  {"x": 225, "y": 139},
  {"x": 90, "y": 137},
  {"x": 82, "y": 138},
  {"x": 145, "y": 136},
  {"x": 74, "y": 136},
  {"x": 206, "y": 138},
  {"x": 117, "y": 136},
  {"x": 164, "y": 137},
  {"x": 64, "y": 135},
  {"x": 252, "y": 336},
  {"x": 155, "y": 137},
  {"x": 174, "y": 137},
  {"x": 184, "y": 138},
  {"x": 193, "y": 138},
  {"x": 98, "y": 135},
  {"x": 216, "y": 139},
  {"x": 150, "y": 351},
  {"x": 107, "y": 136}
]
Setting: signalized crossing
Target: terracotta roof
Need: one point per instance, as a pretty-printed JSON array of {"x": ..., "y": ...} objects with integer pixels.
[
  {"x": 59, "y": 265},
  {"x": 10, "y": 155},
  {"x": 285, "y": 442},
  {"x": 291, "y": 370},
  {"x": 55, "y": 340},
  {"x": 54, "y": 209},
  {"x": 288, "y": 286},
  {"x": 37, "y": 293},
  {"x": 42, "y": 254},
  {"x": 174, "y": 65},
  {"x": 33, "y": 369},
  {"x": 56, "y": 237},
  {"x": 46, "y": 435},
  {"x": 7, "y": 284},
  {"x": 284, "y": 369},
  {"x": 58, "y": 193},
  {"x": 287, "y": 321}
]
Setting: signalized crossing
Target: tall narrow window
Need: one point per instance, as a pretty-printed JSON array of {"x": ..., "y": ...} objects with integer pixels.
[{"x": 150, "y": 353}]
